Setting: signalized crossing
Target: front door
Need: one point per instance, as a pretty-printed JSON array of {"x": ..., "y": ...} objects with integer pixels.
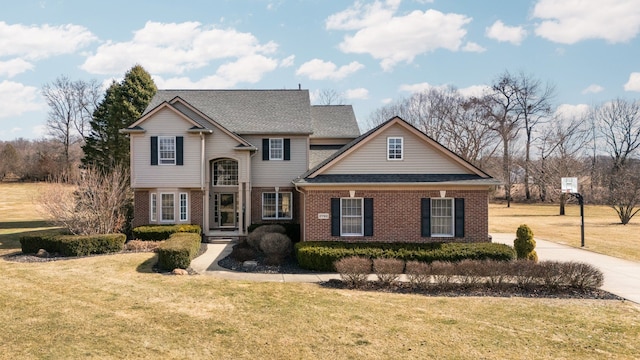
[{"x": 224, "y": 212}]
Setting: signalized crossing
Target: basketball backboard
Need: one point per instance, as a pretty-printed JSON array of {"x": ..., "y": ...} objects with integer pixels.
[{"x": 569, "y": 185}]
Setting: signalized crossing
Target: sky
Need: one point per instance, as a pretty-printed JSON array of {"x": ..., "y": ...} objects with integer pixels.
[{"x": 371, "y": 52}]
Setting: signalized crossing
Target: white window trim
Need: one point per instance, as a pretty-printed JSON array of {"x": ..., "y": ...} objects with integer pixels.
[
  {"x": 271, "y": 148},
  {"x": 361, "y": 217},
  {"x": 401, "y": 148},
  {"x": 153, "y": 207},
  {"x": 277, "y": 212},
  {"x": 162, "y": 210},
  {"x": 453, "y": 218},
  {"x": 175, "y": 150},
  {"x": 186, "y": 206}
]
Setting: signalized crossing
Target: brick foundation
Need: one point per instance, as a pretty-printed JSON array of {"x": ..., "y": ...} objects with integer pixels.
[
  {"x": 196, "y": 209},
  {"x": 141, "y": 208},
  {"x": 396, "y": 215}
]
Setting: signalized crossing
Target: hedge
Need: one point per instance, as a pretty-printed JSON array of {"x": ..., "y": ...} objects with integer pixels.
[
  {"x": 163, "y": 232},
  {"x": 321, "y": 255},
  {"x": 178, "y": 251},
  {"x": 291, "y": 230},
  {"x": 73, "y": 245}
]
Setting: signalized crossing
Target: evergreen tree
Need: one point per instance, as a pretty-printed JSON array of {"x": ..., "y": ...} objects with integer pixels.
[{"x": 122, "y": 105}]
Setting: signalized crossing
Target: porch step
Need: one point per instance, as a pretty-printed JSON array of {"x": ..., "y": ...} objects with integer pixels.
[{"x": 221, "y": 239}]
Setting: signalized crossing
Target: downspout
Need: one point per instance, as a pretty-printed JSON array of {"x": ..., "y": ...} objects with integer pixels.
[
  {"x": 304, "y": 211},
  {"x": 202, "y": 177}
]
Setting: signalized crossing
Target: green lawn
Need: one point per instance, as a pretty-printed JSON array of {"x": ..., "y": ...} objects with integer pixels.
[{"x": 114, "y": 307}]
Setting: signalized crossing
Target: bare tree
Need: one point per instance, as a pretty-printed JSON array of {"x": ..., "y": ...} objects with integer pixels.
[
  {"x": 71, "y": 104},
  {"x": 329, "y": 97},
  {"x": 96, "y": 204},
  {"x": 619, "y": 127}
]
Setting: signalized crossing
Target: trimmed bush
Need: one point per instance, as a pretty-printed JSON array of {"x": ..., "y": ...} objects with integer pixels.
[
  {"x": 321, "y": 255},
  {"x": 292, "y": 230},
  {"x": 581, "y": 275},
  {"x": 524, "y": 244},
  {"x": 526, "y": 273},
  {"x": 388, "y": 270},
  {"x": 354, "y": 269},
  {"x": 442, "y": 272},
  {"x": 276, "y": 247},
  {"x": 74, "y": 245},
  {"x": 418, "y": 273},
  {"x": 178, "y": 251},
  {"x": 163, "y": 232},
  {"x": 141, "y": 246},
  {"x": 243, "y": 253},
  {"x": 255, "y": 237}
]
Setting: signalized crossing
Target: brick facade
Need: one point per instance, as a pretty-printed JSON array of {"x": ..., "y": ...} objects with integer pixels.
[
  {"x": 141, "y": 208},
  {"x": 256, "y": 205},
  {"x": 196, "y": 208},
  {"x": 396, "y": 215}
]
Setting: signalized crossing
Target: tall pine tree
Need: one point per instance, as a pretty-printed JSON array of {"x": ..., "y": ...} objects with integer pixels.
[{"x": 123, "y": 103}]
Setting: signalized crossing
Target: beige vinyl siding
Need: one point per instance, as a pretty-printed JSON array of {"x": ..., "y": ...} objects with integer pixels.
[
  {"x": 418, "y": 157},
  {"x": 278, "y": 172},
  {"x": 220, "y": 145},
  {"x": 144, "y": 175}
]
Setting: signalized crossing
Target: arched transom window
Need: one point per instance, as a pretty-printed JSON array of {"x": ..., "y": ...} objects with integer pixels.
[{"x": 225, "y": 172}]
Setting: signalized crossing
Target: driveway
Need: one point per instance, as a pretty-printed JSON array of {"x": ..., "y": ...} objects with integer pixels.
[{"x": 621, "y": 277}]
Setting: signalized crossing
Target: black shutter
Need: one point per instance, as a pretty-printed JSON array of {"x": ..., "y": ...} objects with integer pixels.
[
  {"x": 154, "y": 150},
  {"x": 287, "y": 149},
  {"x": 459, "y": 219},
  {"x": 368, "y": 217},
  {"x": 425, "y": 214},
  {"x": 335, "y": 217},
  {"x": 265, "y": 149},
  {"x": 179, "y": 150}
]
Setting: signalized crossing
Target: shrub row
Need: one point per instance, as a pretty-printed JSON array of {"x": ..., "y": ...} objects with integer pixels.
[
  {"x": 291, "y": 230},
  {"x": 73, "y": 245},
  {"x": 178, "y": 251},
  {"x": 355, "y": 271},
  {"x": 321, "y": 255},
  {"x": 163, "y": 232}
]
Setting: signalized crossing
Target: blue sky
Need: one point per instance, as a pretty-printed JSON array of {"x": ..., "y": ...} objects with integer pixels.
[{"x": 371, "y": 52}]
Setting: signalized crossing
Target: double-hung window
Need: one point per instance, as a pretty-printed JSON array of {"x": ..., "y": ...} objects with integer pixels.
[
  {"x": 276, "y": 149},
  {"x": 276, "y": 205},
  {"x": 167, "y": 207},
  {"x": 351, "y": 219},
  {"x": 167, "y": 150},
  {"x": 394, "y": 148},
  {"x": 442, "y": 217},
  {"x": 183, "y": 207}
]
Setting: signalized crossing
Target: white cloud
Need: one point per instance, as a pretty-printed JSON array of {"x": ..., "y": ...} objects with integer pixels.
[
  {"x": 473, "y": 47},
  {"x": 17, "y": 99},
  {"x": 503, "y": 33},
  {"x": 317, "y": 69},
  {"x": 359, "y": 93},
  {"x": 175, "y": 48},
  {"x": 569, "y": 22},
  {"x": 633, "y": 84},
  {"x": 414, "y": 88},
  {"x": 568, "y": 112},
  {"x": 394, "y": 39},
  {"x": 249, "y": 69},
  {"x": 39, "y": 42},
  {"x": 39, "y": 130},
  {"x": 386, "y": 100},
  {"x": 288, "y": 61},
  {"x": 474, "y": 91},
  {"x": 14, "y": 67},
  {"x": 592, "y": 89}
]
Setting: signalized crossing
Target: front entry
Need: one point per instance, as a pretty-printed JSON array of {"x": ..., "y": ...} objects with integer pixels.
[{"x": 224, "y": 214}]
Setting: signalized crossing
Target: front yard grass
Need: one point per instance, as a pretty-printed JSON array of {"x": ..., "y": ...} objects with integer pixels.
[
  {"x": 115, "y": 307},
  {"x": 603, "y": 232}
]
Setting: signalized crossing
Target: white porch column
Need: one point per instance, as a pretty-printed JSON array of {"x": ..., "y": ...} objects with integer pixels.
[
  {"x": 240, "y": 207},
  {"x": 247, "y": 195}
]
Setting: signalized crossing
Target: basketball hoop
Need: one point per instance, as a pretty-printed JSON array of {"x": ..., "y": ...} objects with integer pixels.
[{"x": 569, "y": 185}]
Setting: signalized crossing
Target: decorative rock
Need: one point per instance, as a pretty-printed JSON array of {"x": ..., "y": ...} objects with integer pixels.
[
  {"x": 42, "y": 253},
  {"x": 180, "y": 272},
  {"x": 250, "y": 265}
]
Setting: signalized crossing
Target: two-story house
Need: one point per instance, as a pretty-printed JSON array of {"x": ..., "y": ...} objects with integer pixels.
[{"x": 225, "y": 159}]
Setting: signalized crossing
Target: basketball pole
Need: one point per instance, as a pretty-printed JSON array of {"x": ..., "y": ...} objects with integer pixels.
[{"x": 581, "y": 202}]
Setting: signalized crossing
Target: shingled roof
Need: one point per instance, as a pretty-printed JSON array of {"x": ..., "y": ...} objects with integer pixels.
[
  {"x": 248, "y": 111},
  {"x": 334, "y": 121}
]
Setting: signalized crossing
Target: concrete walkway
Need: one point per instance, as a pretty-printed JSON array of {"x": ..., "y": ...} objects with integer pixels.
[{"x": 621, "y": 277}]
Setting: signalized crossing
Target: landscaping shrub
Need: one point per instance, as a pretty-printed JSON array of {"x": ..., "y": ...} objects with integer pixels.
[
  {"x": 243, "y": 253},
  {"x": 178, "y": 251},
  {"x": 74, "y": 245},
  {"x": 524, "y": 244},
  {"x": 388, "y": 270},
  {"x": 291, "y": 230},
  {"x": 442, "y": 272},
  {"x": 418, "y": 273},
  {"x": 550, "y": 273},
  {"x": 321, "y": 256},
  {"x": 581, "y": 275},
  {"x": 470, "y": 272},
  {"x": 354, "y": 270},
  {"x": 525, "y": 273},
  {"x": 163, "y": 232},
  {"x": 496, "y": 272},
  {"x": 255, "y": 237},
  {"x": 141, "y": 245},
  {"x": 276, "y": 247}
]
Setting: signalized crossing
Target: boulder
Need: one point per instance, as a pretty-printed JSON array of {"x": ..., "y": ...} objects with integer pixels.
[
  {"x": 42, "y": 253},
  {"x": 180, "y": 272}
]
